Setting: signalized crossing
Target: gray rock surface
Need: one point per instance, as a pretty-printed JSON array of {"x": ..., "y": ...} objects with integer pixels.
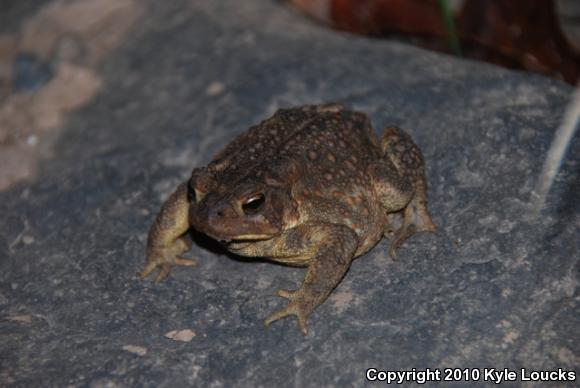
[{"x": 493, "y": 288}]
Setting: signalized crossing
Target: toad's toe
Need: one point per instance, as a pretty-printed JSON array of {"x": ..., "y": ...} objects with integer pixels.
[
  {"x": 164, "y": 260},
  {"x": 299, "y": 305}
]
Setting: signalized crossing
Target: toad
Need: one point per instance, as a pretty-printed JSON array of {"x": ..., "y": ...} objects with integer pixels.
[{"x": 311, "y": 186}]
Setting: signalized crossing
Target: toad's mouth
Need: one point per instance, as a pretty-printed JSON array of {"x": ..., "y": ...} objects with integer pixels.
[
  {"x": 241, "y": 242},
  {"x": 250, "y": 237},
  {"x": 227, "y": 239}
]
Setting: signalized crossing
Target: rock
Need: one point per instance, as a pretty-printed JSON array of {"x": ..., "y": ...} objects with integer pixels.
[
  {"x": 31, "y": 73},
  {"x": 493, "y": 288}
]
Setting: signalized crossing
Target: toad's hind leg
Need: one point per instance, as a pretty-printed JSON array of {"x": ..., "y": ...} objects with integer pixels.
[
  {"x": 333, "y": 248},
  {"x": 166, "y": 242},
  {"x": 399, "y": 149}
]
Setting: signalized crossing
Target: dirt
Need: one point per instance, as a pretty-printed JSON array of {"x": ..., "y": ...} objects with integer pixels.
[{"x": 73, "y": 38}]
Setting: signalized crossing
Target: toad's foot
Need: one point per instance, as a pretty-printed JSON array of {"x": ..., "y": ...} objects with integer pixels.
[
  {"x": 416, "y": 219},
  {"x": 300, "y": 305},
  {"x": 333, "y": 248},
  {"x": 165, "y": 257}
]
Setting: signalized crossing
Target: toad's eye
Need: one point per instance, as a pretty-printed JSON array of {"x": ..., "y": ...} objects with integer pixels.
[{"x": 254, "y": 204}]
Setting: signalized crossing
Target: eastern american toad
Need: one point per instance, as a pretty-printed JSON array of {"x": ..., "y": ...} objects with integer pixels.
[{"x": 311, "y": 186}]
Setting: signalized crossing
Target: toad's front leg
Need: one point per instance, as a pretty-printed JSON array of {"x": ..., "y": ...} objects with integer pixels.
[
  {"x": 166, "y": 242},
  {"x": 333, "y": 248}
]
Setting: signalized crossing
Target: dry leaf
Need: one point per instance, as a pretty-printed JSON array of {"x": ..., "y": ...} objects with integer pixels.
[
  {"x": 138, "y": 350},
  {"x": 26, "y": 318},
  {"x": 181, "y": 335}
]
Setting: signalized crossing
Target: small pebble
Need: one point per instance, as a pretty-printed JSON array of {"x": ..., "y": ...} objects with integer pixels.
[
  {"x": 32, "y": 140},
  {"x": 215, "y": 89}
]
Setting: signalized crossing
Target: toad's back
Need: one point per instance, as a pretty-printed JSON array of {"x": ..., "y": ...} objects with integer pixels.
[{"x": 332, "y": 143}]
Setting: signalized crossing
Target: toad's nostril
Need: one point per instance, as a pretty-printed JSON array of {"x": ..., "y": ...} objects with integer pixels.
[{"x": 220, "y": 213}]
